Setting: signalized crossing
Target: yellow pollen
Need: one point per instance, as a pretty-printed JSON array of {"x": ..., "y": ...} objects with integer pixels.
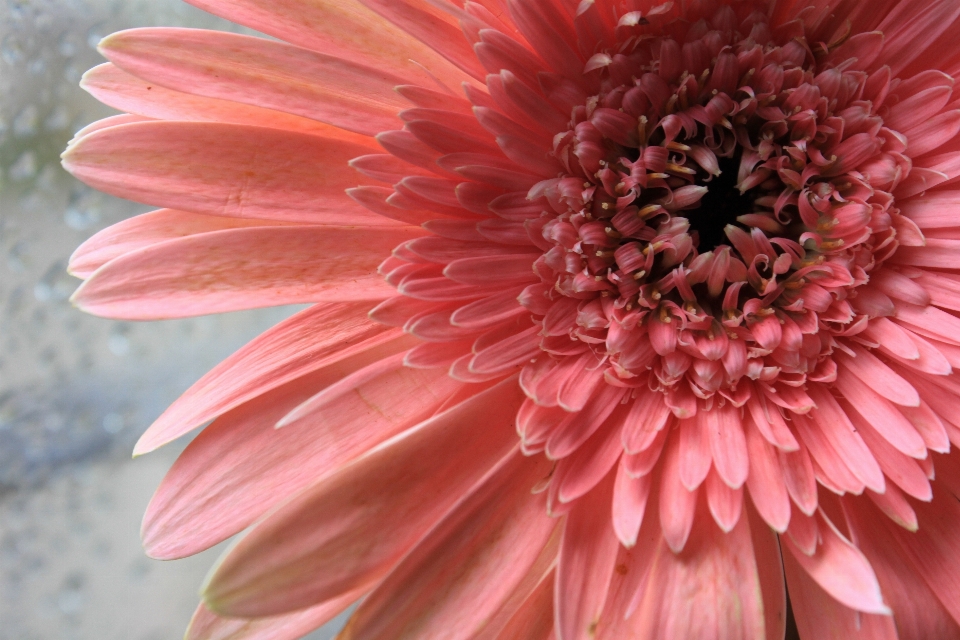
[
  {"x": 647, "y": 210},
  {"x": 665, "y": 316},
  {"x": 639, "y": 274},
  {"x": 676, "y": 168}
]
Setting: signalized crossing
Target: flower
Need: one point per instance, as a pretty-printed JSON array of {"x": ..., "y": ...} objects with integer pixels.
[{"x": 700, "y": 255}]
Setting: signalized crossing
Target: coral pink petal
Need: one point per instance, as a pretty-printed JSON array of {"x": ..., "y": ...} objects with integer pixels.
[
  {"x": 534, "y": 619},
  {"x": 149, "y": 229},
  {"x": 586, "y": 562},
  {"x": 206, "y": 625},
  {"x": 429, "y": 24},
  {"x": 460, "y": 575},
  {"x": 766, "y": 550},
  {"x": 917, "y": 611},
  {"x": 383, "y": 509},
  {"x": 727, "y": 443},
  {"x": 630, "y": 497},
  {"x": 342, "y": 28},
  {"x": 820, "y": 616},
  {"x": 117, "y": 88},
  {"x": 934, "y": 549},
  {"x": 243, "y": 466},
  {"x": 840, "y": 569},
  {"x": 225, "y": 169},
  {"x": 765, "y": 483},
  {"x": 308, "y": 341},
  {"x": 879, "y": 377},
  {"x": 261, "y": 72},
  {"x": 253, "y": 267},
  {"x": 711, "y": 589}
]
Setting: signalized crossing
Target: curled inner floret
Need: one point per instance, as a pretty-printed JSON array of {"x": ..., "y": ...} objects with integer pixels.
[{"x": 724, "y": 198}]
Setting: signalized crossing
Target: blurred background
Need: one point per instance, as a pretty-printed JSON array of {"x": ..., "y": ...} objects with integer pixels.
[{"x": 76, "y": 391}]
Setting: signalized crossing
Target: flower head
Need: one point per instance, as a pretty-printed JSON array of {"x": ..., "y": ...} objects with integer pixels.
[{"x": 700, "y": 255}]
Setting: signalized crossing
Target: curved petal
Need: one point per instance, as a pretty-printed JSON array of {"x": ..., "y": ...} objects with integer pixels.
[
  {"x": 242, "y": 269},
  {"x": 261, "y": 72},
  {"x": 240, "y": 467},
  {"x": 350, "y": 529},
  {"x": 149, "y": 229},
  {"x": 225, "y": 169},
  {"x": 308, "y": 341},
  {"x": 456, "y": 578},
  {"x": 342, "y": 28},
  {"x": 115, "y": 87},
  {"x": 206, "y": 625}
]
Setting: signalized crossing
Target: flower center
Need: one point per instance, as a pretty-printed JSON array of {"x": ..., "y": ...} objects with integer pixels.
[
  {"x": 722, "y": 205},
  {"x": 724, "y": 197}
]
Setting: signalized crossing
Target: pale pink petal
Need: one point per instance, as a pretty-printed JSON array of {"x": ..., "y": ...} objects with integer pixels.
[
  {"x": 261, "y": 72},
  {"x": 840, "y": 569},
  {"x": 149, "y": 229},
  {"x": 253, "y": 267},
  {"x": 457, "y": 577},
  {"x": 709, "y": 590},
  {"x": 586, "y": 562},
  {"x": 241, "y": 466},
  {"x": 219, "y": 169},
  {"x": 113, "y": 86},
  {"x": 206, "y": 625},
  {"x": 819, "y": 615},
  {"x": 382, "y": 510},
  {"x": 341, "y": 28},
  {"x": 917, "y": 612},
  {"x": 534, "y": 619},
  {"x": 310, "y": 340},
  {"x": 766, "y": 483},
  {"x": 630, "y": 497}
]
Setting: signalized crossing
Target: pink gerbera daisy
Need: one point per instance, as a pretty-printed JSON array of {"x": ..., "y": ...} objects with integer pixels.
[{"x": 702, "y": 256}]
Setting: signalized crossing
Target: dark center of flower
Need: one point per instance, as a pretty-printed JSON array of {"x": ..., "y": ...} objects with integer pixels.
[
  {"x": 724, "y": 196},
  {"x": 722, "y": 205}
]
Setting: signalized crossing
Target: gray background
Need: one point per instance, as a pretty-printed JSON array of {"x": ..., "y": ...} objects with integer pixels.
[{"x": 76, "y": 391}]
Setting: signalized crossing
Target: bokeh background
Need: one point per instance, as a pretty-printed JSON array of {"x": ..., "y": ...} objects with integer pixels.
[{"x": 76, "y": 391}]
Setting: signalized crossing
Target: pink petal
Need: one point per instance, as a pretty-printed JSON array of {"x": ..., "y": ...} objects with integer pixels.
[
  {"x": 709, "y": 590},
  {"x": 883, "y": 415},
  {"x": 727, "y": 443},
  {"x": 206, "y": 625},
  {"x": 240, "y": 467},
  {"x": 343, "y": 29},
  {"x": 432, "y": 27},
  {"x": 149, "y": 229},
  {"x": 310, "y": 340},
  {"x": 765, "y": 483},
  {"x": 725, "y": 504},
  {"x": 820, "y": 616},
  {"x": 224, "y": 169},
  {"x": 241, "y": 269},
  {"x": 587, "y": 555},
  {"x": 695, "y": 456},
  {"x": 630, "y": 496},
  {"x": 840, "y": 569},
  {"x": 261, "y": 72},
  {"x": 349, "y": 529},
  {"x": 114, "y": 87},
  {"x": 468, "y": 566},
  {"x": 916, "y": 609},
  {"x": 534, "y": 619},
  {"x": 677, "y": 503},
  {"x": 878, "y": 376}
]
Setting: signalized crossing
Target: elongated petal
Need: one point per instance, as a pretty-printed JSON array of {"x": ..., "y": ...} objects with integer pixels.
[
  {"x": 351, "y": 528},
  {"x": 206, "y": 625},
  {"x": 840, "y": 569},
  {"x": 709, "y": 590},
  {"x": 587, "y": 556},
  {"x": 225, "y": 169},
  {"x": 340, "y": 28},
  {"x": 241, "y": 269},
  {"x": 240, "y": 467},
  {"x": 305, "y": 342},
  {"x": 149, "y": 229},
  {"x": 455, "y": 579},
  {"x": 115, "y": 87},
  {"x": 261, "y": 72}
]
